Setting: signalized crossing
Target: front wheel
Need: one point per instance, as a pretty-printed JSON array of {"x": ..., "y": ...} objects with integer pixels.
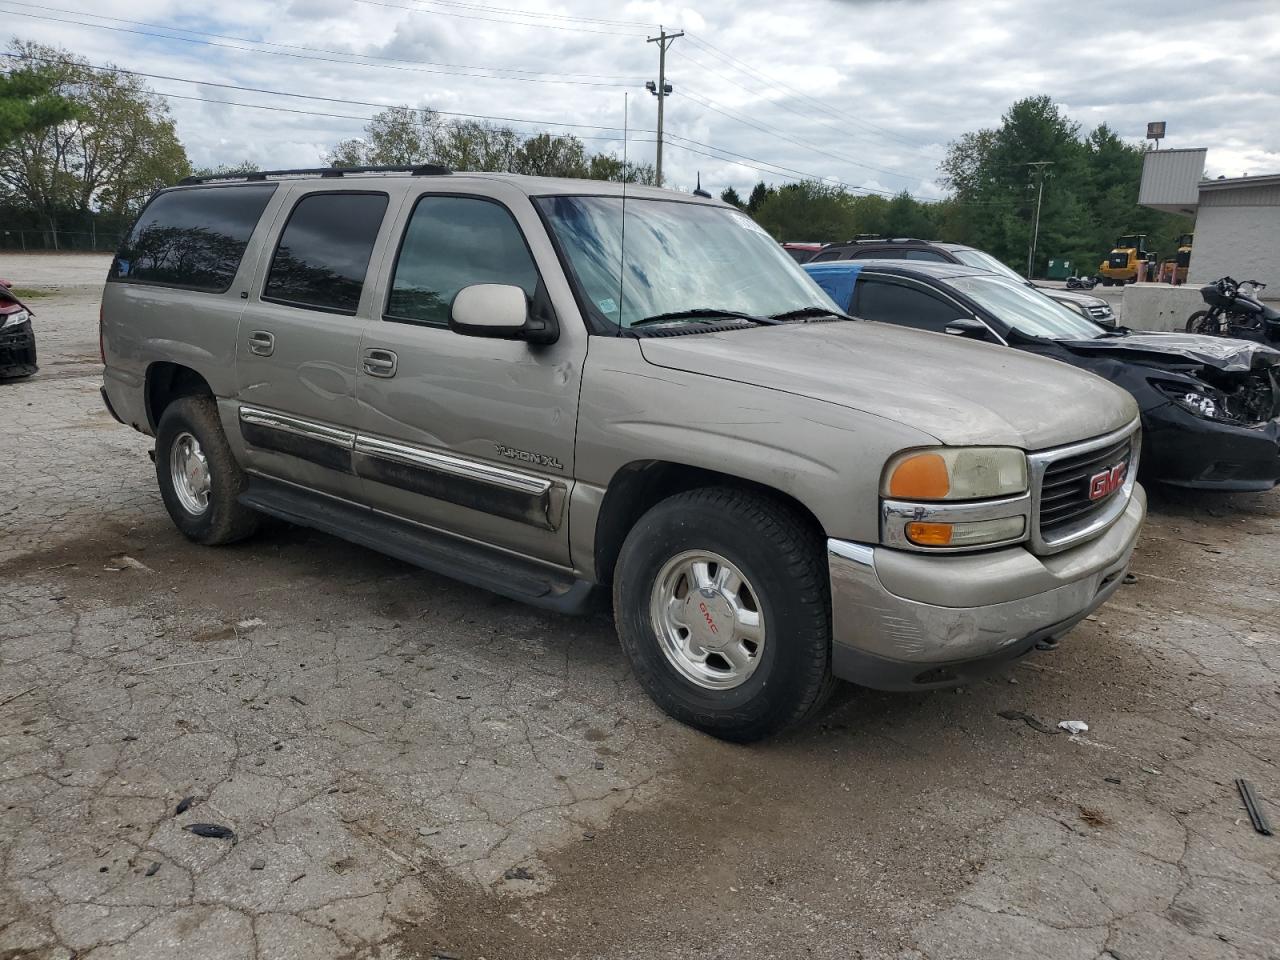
[
  {"x": 199, "y": 478},
  {"x": 1203, "y": 322},
  {"x": 722, "y": 604}
]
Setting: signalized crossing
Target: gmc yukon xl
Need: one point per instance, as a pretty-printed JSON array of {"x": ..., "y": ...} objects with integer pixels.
[{"x": 561, "y": 389}]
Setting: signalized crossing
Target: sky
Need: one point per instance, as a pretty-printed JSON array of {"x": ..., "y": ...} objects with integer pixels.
[{"x": 865, "y": 93}]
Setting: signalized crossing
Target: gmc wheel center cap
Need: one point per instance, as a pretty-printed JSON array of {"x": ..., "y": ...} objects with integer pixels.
[{"x": 710, "y": 618}]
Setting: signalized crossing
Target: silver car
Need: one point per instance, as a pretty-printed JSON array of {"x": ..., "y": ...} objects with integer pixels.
[{"x": 489, "y": 377}]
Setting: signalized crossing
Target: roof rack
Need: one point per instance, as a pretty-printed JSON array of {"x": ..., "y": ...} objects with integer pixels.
[
  {"x": 878, "y": 238},
  {"x": 418, "y": 170}
]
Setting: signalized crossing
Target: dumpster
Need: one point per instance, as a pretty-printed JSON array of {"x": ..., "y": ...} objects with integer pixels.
[{"x": 1058, "y": 269}]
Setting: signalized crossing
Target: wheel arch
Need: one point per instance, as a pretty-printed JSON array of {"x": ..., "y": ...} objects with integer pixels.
[
  {"x": 167, "y": 381},
  {"x": 641, "y": 484}
]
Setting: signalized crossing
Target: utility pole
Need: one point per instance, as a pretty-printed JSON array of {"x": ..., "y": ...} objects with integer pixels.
[
  {"x": 663, "y": 89},
  {"x": 1039, "y": 167}
]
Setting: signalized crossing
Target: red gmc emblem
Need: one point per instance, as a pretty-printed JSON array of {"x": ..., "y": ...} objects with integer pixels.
[{"x": 1108, "y": 481}]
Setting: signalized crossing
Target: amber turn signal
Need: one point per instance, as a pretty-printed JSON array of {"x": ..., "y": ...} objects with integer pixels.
[{"x": 929, "y": 534}]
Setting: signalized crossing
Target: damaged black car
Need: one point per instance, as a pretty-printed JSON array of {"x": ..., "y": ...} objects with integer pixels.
[
  {"x": 1210, "y": 406},
  {"x": 17, "y": 339}
]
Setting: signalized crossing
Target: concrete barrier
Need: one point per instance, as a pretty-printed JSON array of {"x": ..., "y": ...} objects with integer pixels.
[{"x": 1159, "y": 306}]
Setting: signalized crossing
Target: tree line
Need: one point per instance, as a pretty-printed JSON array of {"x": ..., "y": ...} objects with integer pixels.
[{"x": 82, "y": 149}]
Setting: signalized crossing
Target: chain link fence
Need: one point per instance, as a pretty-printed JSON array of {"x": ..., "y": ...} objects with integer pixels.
[{"x": 27, "y": 239}]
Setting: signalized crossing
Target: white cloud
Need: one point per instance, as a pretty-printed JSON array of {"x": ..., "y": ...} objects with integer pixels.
[{"x": 865, "y": 91}]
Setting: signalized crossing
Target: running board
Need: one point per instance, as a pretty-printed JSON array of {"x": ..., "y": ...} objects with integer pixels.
[{"x": 452, "y": 557}]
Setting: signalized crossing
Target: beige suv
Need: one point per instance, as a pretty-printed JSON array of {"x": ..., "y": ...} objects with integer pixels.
[{"x": 559, "y": 389}]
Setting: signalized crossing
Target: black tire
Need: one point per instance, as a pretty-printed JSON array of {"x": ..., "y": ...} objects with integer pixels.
[
  {"x": 1196, "y": 323},
  {"x": 781, "y": 557},
  {"x": 224, "y": 520}
]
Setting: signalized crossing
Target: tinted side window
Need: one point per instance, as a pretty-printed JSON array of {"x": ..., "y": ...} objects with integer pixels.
[
  {"x": 324, "y": 251},
  {"x": 829, "y": 255},
  {"x": 193, "y": 238},
  {"x": 904, "y": 306},
  {"x": 451, "y": 243},
  {"x": 929, "y": 255}
]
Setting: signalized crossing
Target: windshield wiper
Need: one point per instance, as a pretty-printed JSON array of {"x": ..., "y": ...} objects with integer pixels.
[
  {"x": 703, "y": 313},
  {"x": 810, "y": 312}
]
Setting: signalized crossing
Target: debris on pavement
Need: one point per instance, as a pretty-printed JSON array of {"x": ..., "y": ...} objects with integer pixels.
[
  {"x": 1256, "y": 816},
  {"x": 1094, "y": 817},
  {"x": 517, "y": 873},
  {"x": 428, "y": 831},
  {"x": 153, "y": 869},
  {"x": 183, "y": 805},
  {"x": 214, "y": 831},
  {"x": 1073, "y": 727},
  {"x": 1130, "y": 578},
  {"x": 1028, "y": 719},
  {"x": 259, "y": 863}
]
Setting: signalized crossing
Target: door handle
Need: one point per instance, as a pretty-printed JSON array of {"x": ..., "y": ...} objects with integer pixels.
[
  {"x": 262, "y": 343},
  {"x": 380, "y": 363}
]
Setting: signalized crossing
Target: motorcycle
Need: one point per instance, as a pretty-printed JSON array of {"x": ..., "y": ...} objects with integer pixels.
[
  {"x": 1081, "y": 283},
  {"x": 1236, "y": 310}
]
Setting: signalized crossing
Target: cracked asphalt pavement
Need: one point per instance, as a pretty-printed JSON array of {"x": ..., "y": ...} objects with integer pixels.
[{"x": 414, "y": 768}]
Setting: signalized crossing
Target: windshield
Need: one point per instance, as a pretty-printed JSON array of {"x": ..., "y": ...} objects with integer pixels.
[
  {"x": 679, "y": 257},
  {"x": 976, "y": 258},
  {"x": 1026, "y": 309}
]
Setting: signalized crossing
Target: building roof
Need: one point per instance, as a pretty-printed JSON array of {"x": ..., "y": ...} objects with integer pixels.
[{"x": 1237, "y": 183}]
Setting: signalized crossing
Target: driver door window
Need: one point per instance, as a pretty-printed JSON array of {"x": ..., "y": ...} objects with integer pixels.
[{"x": 451, "y": 243}]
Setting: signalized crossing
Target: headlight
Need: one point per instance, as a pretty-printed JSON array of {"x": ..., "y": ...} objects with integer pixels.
[
  {"x": 14, "y": 319},
  {"x": 1201, "y": 401},
  {"x": 956, "y": 473}
]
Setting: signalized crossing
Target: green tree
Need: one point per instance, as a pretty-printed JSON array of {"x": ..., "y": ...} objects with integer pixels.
[
  {"x": 117, "y": 148},
  {"x": 808, "y": 210},
  {"x": 1090, "y": 189},
  {"x": 29, "y": 101},
  {"x": 226, "y": 169},
  {"x": 730, "y": 195},
  {"x": 405, "y": 136},
  {"x": 759, "y": 194}
]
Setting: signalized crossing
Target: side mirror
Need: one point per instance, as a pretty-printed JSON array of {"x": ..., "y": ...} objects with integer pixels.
[
  {"x": 500, "y": 311},
  {"x": 968, "y": 327},
  {"x": 7, "y": 284}
]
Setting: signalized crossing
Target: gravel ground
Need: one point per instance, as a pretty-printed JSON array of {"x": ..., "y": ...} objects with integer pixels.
[{"x": 415, "y": 768}]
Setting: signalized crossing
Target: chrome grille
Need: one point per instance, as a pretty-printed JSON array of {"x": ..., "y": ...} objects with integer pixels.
[{"x": 1064, "y": 512}]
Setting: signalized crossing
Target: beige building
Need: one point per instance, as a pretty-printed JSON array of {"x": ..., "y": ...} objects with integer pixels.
[{"x": 1237, "y": 231}]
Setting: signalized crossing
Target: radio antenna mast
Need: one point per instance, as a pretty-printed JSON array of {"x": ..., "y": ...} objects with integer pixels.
[{"x": 622, "y": 242}]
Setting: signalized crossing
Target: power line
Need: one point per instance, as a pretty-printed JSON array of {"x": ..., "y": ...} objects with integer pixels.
[
  {"x": 745, "y": 68},
  {"x": 532, "y": 13},
  {"x": 506, "y": 20},
  {"x": 303, "y": 56},
  {"x": 307, "y": 96},
  {"x": 297, "y": 46},
  {"x": 773, "y": 131}
]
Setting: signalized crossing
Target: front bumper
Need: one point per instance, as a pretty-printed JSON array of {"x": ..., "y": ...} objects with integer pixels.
[
  {"x": 18, "y": 351},
  {"x": 1184, "y": 450},
  {"x": 907, "y": 621}
]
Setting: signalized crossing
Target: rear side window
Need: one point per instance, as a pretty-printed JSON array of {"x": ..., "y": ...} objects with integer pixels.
[
  {"x": 451, "y": 243},
  {"x": 323, "y": 254},
  {"x": 926, "y": 255},
  {"x": 192, "y": 238}
]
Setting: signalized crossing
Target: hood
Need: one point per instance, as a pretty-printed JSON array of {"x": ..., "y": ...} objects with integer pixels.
[
  {"x": 959, "y": 391},
  {"x": 1219, "y": 353},
  {"x": 1075, "y": 296},
  {"x": 9, "y": 301}
]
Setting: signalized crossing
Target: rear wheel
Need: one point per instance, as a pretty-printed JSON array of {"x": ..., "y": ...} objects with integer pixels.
[
  {"x": 199, "y": 478},
  {"x": 722, "y": 604}
]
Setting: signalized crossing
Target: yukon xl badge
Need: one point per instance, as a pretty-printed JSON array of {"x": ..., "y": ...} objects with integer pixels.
[{"x": 538, "y": 459}]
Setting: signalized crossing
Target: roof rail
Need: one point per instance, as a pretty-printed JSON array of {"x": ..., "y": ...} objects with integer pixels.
[
  {"x": 417, "y": 170},
  {"x": 878, "y": 238}
]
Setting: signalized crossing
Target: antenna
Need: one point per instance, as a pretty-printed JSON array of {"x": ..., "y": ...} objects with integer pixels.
[{"x": 622, "y": 243}]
